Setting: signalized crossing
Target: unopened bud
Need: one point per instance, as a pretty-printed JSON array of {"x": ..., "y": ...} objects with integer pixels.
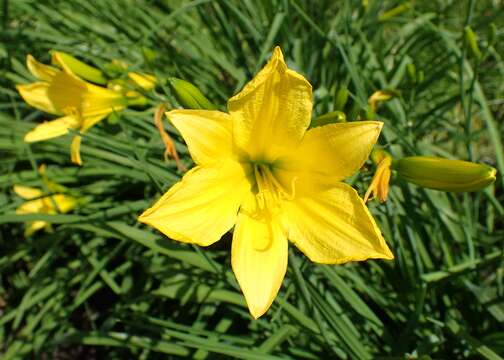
[
  {"x": 492, "y": 34},
  {"x": 445, "y": 174},
  {"x": 412, "y": 73},
  {"x": 329, "y": 118},
  {"x": 77, "y": 67},
  {"x": 472, "y": 42},
  {"x": 421, "y": 76},
  {"x": 394, "y": 12},
  {"x": 189, "y": 96},
  {"x": 340, "y": 99}
]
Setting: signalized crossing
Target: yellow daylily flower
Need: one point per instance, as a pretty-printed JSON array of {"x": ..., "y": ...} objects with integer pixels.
[
  {"x": 260, "y": 168},
  {"x": 37, "y": 203},
  {"x": 79, "y": 103},
  {"x": 379, "y": 186}
]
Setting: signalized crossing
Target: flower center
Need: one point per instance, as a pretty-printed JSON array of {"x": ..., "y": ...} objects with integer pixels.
[
  {"x": 270, "y": 191},
  {"x": 269, "y": 197}
]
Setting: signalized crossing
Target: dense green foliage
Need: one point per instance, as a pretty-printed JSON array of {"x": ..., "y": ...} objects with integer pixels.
[{"x": 104, "y": 286}]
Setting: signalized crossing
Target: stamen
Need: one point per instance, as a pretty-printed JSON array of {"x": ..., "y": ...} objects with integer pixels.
[
  {"x": 270, "y": 194},
  {"x": 270, "y": 191},
  {"x": 282, "y": 192},
  {"x": 261, "y": 187}
]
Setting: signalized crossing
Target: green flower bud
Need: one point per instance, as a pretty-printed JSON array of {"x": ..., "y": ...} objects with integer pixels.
[
  {"x": 412, "y": 73},
  {"x": 421, "y": 76},
  {"x": 189, "y": 96},
  {"x": 444, "y": 174},
  {"x": 472, "y": 42},
  {"x": 329, "y": 118},
  {"x": 149, "y": 54},
  {"x": 137, "y": 101},
  {"x": 394, "y": 12},
  {"x": 77, "y": 67},
  {"x": 340, "y": 99},
  {"x": 492, "y": 34}
]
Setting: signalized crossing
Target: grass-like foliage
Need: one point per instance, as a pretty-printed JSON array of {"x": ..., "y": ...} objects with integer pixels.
[{"x": 103, "y": 286}]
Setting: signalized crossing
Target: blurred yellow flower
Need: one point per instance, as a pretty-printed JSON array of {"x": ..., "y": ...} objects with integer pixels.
[
  {"x": 79, "y": 103},
  {"x": 145, "y": 81},
  {"x": 379, "y": 186},
  {"x": 38, "y": 203},
  {"x": 260, "y": 168},
  {"x": 380, "y": 96},
  {"x": 71, "y": 65}
]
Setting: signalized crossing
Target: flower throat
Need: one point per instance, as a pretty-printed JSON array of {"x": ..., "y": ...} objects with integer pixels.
[{"x": 270, "y": 191}]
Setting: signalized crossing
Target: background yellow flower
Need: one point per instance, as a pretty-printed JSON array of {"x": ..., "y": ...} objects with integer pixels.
[{"x": 57, "y": 92}]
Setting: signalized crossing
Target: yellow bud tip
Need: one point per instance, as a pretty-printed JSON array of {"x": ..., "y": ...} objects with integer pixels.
[
  {"x": 381, "y": 96},
  {"x": 492, "y": 174}
]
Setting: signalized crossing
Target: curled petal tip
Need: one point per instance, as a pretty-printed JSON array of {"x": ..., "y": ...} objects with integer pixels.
[{"x": 277, "y": 51}]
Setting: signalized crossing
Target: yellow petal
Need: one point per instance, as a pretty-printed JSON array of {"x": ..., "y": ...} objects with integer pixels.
[
  {"x": 39, "y": 70},
  {"x": 272, "y": 112},
  {"x": 334, "y": 227},
  {"x": 259, "y": 272},
  {"x": 31, "y": 207},
  {"x": 98, "y": 99},
  {"x": 37, "y": 95},
  {"x": 203, "y": 206},
  {"x": 27, "y": 192},
  {"x": 66, "y": 92},
  {"x": 59, "y": 203},
  {"x": 75, "y": 150},
  {"x": 208, "y": 134},
  {"x": 333, "y": 152},
  {"x": 52, "y": 129},
  {"x": 34, "y": 226},
  {"x": 90, "y": 121}
]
